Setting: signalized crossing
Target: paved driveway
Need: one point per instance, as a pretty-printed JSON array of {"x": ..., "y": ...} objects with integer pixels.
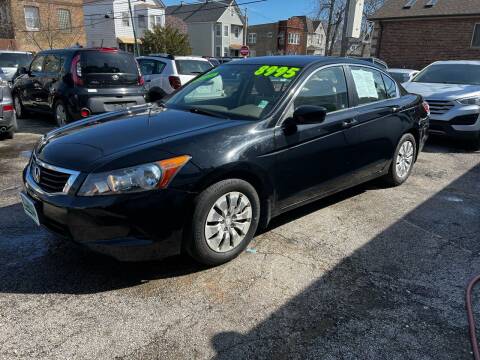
[{"x": 371, "y": 273}]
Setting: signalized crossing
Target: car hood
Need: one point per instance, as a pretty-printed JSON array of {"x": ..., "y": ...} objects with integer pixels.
[
  {"x": 447, "y": 92},
  {"x": 80, "y": 145}
]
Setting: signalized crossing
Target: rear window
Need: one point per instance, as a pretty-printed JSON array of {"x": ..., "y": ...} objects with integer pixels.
[
  {"x": 103, "y": 62},
  {"x": 15, "y": 60},
  {"x": 192, "y": 67}
]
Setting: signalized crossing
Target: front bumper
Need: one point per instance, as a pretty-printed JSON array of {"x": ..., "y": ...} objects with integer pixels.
[
  {"x": 462, "y": 121},
  {"x": 134, "y": 227}
]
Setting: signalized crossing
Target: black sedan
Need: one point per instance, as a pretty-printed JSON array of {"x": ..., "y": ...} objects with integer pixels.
[{"x": 239, "y": 145}]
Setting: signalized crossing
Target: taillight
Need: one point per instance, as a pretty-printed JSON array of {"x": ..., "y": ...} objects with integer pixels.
[
  {"x": 84, "y": 113},
  {"x": 426, "y": 107},
  {"x": 76, "y": 71},
  {"x": 7, "y": 108},
  {"x": 175, "y": 82},
  {"x": 141, "y": 80}
]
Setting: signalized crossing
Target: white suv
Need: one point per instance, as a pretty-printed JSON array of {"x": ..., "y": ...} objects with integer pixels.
[{"x": 164, "y": 74}]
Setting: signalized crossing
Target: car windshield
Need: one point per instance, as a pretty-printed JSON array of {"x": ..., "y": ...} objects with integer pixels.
[
  {"x": 192, "y": 67},
  {"x": 400, "y": 77},
  {"x": 15, "y": 60},
  {"x": 462, "y": 74},
  {"x": 236, "y": 91}
]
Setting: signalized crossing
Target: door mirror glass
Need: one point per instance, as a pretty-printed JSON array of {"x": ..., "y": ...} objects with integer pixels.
[{"x": 309, "y": 114}]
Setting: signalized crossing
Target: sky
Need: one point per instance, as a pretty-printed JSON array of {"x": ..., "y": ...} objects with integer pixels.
[{"x": 269, "y": 10}]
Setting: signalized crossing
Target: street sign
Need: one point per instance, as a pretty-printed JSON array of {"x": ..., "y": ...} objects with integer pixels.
[{"x": 244, "y": 51}]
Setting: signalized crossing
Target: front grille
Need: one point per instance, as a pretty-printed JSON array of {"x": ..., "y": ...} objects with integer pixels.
[
  {"x": 464, "y": 120},
  {"x": 439, "y": 107},
  {"x": 49, "y": 180}
]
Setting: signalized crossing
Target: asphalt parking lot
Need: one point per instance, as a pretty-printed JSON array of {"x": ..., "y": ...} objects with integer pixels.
[{"x": 371, "y": 273}]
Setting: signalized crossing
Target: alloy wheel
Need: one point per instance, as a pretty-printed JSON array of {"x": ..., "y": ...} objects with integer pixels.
[
  {"x": 404, "y": 159},
  {"x": 228, "y": 222},
  {"x": 60, "y": 115}
]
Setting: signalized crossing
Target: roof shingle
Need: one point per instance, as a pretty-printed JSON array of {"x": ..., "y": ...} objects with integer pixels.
[{"x": 393, "y": 9}]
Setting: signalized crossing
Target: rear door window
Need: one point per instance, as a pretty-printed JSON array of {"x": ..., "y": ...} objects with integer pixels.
[
  {"x": 151, "y": 67},
  {"x": 53, "y": 64},
  {"x": 368, "y": 84},
  {"x": 192, "y": 67}
]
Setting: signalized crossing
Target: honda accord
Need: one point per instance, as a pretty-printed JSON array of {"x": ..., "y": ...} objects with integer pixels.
[{"x": 202, "y": 171}]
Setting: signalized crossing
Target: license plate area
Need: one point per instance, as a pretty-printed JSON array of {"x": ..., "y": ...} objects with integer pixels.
[
  {"x": 118, "y": 105},
  {"x": 29, "y": 208}
]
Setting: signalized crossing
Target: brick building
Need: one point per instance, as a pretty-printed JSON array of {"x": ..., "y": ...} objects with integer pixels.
[
  {"x": 414, "y": 33},
  {"x": 33, "y": 25},
  {"x": 297, "y": 35}
]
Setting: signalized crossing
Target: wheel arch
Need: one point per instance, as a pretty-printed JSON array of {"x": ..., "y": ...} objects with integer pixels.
[{"x": 255, "y": 176}]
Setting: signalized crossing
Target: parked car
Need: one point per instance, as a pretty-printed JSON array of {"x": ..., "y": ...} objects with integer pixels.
[
  {"x": 8, "y": 120},
  {"x": 452, "y": 89},
  {"x": 403, "y": 75},
  {"x": 214, "y": 61},
  {"x": 165, "y": 73},
  {"x": 373, "y": 60},
  {"x": 201, "y": 174},
  {"x": 75, "y": 83},
  {"x": 11, "y": 61}
]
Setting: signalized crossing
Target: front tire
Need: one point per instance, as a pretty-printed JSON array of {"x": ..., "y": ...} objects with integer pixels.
[
  {"x": 403, "y": 160},
  {"x": 60, "y": 112},
  {"x": 225, "y": 219}
]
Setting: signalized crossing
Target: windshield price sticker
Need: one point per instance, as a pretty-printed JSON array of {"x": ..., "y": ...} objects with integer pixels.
[{"x": 285, "y": 72}]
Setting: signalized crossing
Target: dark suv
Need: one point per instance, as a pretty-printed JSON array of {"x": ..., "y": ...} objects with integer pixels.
[{"x": 76, "y": 83}]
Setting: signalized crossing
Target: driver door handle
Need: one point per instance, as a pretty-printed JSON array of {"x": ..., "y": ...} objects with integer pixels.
[{"x": 349, "y": 123}]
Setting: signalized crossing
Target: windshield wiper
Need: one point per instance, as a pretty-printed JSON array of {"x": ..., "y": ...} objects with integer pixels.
[{"x": 207, "y": 112}]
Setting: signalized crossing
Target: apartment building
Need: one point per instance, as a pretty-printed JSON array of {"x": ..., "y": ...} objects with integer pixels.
[
  {"x": 215, "y": 28},
  {"x": 109, "y": 24}
]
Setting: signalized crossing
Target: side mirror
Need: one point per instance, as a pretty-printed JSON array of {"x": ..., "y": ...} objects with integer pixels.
[
  {"x": 309, "y": 114},
  {"x": 22, "y": 71}
]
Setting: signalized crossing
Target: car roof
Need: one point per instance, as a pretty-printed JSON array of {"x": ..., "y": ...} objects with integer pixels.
[
  {"x": 74, "y": 50},
  {"x": 302, "y": 60},
  {"x": 457, "y": 62},
  {"x": 403, "y": 71}
]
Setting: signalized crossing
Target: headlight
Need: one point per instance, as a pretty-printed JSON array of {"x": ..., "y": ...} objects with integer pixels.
[
  {"x": 470, "y": 101},
  {"x": 134, "y": 179}
]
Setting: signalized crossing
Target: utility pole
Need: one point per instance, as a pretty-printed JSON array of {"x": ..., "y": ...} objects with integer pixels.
[
  {"x": 344, "y": 48},
  {"x": 245, "y": 28},
  {"x": 135, "y": 48}
]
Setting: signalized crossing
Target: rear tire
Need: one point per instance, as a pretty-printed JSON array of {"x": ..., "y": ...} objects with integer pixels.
[
  {"x": 225, "y": 219},
  {"x": 402, "y": 162},
  {"x": 60, "y": 112},
  {"x": 474, "y": 144},
  {"x": 20, "y": 112}
]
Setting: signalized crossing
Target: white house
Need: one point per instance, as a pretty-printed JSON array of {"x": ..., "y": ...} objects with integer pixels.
[
  {"x": 108, "y": 23},
  {"x": 215, "y": 27}
]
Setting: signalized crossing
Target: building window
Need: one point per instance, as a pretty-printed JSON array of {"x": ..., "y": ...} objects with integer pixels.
[
  {"x": 226, "y": 51},
  {"x": 158, "y": 20},
  {"x": 281, "y": 38},
  {"x": 125, "y": 19},
  {"x": 142, "y": 22},
  {"x": 236, "y": 31},
  {"x": 218, "y": 51},
  {"x": 293, "y": 38},
  {"x": 64, "y": 20},
  {"x": 252, "y": 38},
  {"x": 218, "y": 30},
  {"x": 270, "y": 35},
  {"x": 476, "y": 36},
  {"x": 32, "y": 18},
  {"x": 225, "y": 30}
]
